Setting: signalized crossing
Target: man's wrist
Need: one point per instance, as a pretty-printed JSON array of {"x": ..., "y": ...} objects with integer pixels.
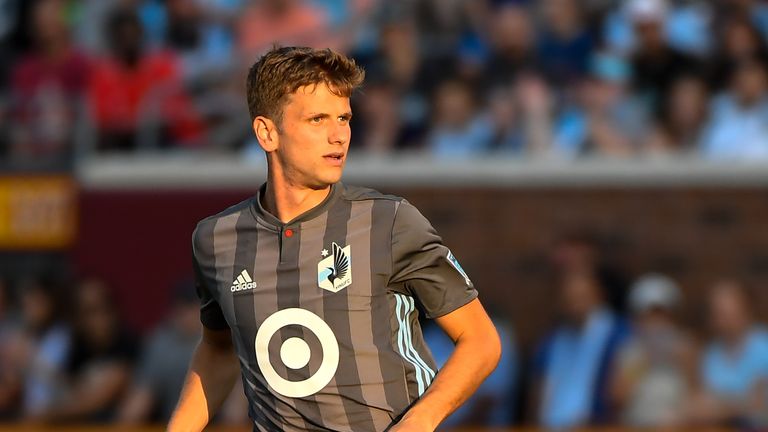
[{"x": 422, "y": 418}]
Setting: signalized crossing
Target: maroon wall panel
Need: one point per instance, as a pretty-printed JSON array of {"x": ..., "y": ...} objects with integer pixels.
[{"x": 139, "y": 242}]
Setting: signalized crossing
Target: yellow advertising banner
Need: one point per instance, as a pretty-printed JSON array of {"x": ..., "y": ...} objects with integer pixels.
[{"x": 37, "y": 212}]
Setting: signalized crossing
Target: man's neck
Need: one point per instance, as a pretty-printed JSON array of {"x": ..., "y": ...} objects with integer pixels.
[{"x": 286, "y": 201}]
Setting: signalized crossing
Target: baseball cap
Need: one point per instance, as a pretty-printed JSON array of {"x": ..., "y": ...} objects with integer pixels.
[
  {"x": 647, "y": 10},
  {"x": 653, "y": 290}
]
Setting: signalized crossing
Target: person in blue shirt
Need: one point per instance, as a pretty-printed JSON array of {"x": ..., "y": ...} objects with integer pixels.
[
  {"x": 573, "y": 364},
  {"x": 734, "y": 366}
]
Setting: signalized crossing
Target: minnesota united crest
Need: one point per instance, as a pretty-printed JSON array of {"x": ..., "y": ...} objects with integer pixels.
[{"x": 334, "y": 273}]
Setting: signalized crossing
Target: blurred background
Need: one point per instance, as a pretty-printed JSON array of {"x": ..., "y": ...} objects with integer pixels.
[{"x": 598, "y": 166}]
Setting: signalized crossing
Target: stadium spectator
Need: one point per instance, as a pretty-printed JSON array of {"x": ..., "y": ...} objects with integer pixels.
[
  {"x": 397, "y": 56},
  {"x": 377, "y": 118},
  {"x": 200, "y": 32},
  {"x": 655, "y": 63},
  {"x": 606, "y": 119},
  {"x": 518, "y": 117},
  {"x": 656, "y": 367},
  {"x": 739, "y": 41},
  {"x": 10, "y": 345},
  {"x": 138, "y": 95},
  {"x": 755, "y": 11},
  {"x": 10, "y": 24},
  {"x": 457, "y": 129},
  {"x": 573, "y": 364},
  {"x": 287, "y": 22},
  {"x": 47, "y": 85},
  {"x": 512, "y": 45},
  {"x": 734, "y": 367},
  {"x": 89, "y": 20},
  {"x": 680, "y": 122},
  {"x": 492, "y": 404},
  {"x": 536, "y": 102},
  {"x": 45, "y": 348},
  {"x": 579, "y": 251},
  {"x": 396, "y": 75},
  {"x": 565, "y": 43},
  {"x": 505, "y": 121},
  {"x": 161, "y": 369},
  {"x": 99, "y": 363},
  {"x": 738, "y": 126},
  {"x": 446, "y": 28}
]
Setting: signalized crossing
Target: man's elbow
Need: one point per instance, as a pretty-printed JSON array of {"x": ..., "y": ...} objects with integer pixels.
[
  {"x": 486, "y": 345},
  {"x": 493, "y": 347}
]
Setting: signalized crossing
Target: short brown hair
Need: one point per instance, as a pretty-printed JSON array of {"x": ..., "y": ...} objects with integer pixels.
[{"x": 283, "y": 70}]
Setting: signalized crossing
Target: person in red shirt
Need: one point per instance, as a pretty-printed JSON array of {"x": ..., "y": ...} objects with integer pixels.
[
  {"x": 136, "y": 97},
  {"x": 46, "y": 86}
]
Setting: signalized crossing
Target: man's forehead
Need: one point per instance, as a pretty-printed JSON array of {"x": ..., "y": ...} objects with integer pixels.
[
  {"x": 318, "y": 88},
  {"x": 317, "y": 94}
]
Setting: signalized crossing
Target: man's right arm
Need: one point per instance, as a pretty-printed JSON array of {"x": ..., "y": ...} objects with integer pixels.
[{"x": 212, "y": 374}]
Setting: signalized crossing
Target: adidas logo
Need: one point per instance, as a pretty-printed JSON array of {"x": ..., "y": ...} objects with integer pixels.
[{"x": 242, "y": 283}]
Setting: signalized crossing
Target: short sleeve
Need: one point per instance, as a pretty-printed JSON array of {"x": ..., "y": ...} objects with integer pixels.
[
  {"x": 211, "y": 315},
  {"x": 425, "y": 268}
]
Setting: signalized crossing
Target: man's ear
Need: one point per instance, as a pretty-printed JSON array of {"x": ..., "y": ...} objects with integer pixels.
[{"x": 266, "y": 132}]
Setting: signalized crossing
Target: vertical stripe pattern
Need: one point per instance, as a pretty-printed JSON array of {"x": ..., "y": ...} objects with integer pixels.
[
  {"x": 288, "y": 296},
  {"x": 424, "y": 374},
  {"x": 336, "y": 314},
  {"x": 230, "y": 253},
  {"x": 384, "y": 325},
  {"x": 360, "y": 299}
]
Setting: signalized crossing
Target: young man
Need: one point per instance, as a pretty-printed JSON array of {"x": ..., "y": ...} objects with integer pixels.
[{"x": 313, "y": 285}]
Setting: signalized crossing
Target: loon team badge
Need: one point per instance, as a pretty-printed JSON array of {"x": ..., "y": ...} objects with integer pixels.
[
  {"x": 455, "y": 263},
  {"x": 334, "y": 273}
]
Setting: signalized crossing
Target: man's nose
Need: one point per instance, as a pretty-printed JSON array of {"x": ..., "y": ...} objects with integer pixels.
[{"x": 339, "y": 134}]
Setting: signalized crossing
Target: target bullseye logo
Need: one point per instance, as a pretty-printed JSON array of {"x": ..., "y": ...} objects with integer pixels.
[{"x": 295, "y": 353}]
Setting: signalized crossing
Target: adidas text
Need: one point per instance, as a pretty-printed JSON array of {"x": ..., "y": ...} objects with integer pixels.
[
  {"x": 243, "y": 286},
  {"x": 243, "y": 282}
]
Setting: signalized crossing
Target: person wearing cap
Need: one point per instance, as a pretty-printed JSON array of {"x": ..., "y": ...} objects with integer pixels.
[
  {"x": 655, "y": 62},
  {"x": 655, "y": 370}
]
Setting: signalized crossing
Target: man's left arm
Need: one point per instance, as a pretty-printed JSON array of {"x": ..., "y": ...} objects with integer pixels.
[
  {"x": 427, "y": 270},
  {"x": 477, "y": 352}
]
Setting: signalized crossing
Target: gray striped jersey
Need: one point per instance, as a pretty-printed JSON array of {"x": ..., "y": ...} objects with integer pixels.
[{"x": 324, "y": 309}]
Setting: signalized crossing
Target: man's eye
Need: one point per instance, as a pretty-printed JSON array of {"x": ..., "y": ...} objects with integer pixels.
[{"x": 316, "y": 120}]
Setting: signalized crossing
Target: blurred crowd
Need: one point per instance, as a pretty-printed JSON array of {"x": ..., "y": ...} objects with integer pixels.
[
  {"x": 618, "y": 351},
  {"x": 67, "y": 357},
  {"x": 623, "y": 351},
  {"x": 556, "y": 79}
]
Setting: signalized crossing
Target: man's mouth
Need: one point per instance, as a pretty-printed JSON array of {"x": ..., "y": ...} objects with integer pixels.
[{"x": 334, "y": 157}]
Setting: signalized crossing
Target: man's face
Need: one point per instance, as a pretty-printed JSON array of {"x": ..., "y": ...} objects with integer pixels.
[
  {"x": 579, "y": 296},
  {"x": 314, "y": 137}
]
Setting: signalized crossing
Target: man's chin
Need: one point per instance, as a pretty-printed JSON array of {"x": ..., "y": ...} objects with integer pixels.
[{"x": 325, "y": 182}]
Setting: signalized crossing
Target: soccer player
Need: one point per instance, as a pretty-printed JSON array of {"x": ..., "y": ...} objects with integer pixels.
[{"x": 314, "y": 288}]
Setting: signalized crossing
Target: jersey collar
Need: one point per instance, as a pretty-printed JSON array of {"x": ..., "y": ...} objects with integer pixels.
[{"x": 261, "y": 214}]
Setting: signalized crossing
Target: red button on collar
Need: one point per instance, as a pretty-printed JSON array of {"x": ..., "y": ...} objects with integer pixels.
[{"x": 289, "y": 233}]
